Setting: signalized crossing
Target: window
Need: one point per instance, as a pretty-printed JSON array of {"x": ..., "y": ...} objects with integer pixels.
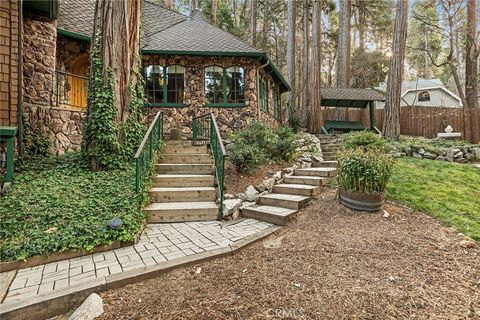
[
  {"x": 165, "y": 86},
  {"x": 225, "y": 86},
  {"x": 263, "y": 95},
  {"x": 276, "y": 105},
  {"x": 424, "y": 96}
]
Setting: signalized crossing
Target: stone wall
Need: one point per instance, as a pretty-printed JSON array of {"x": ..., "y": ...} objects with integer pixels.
[
  {"x": 8, "y": 62},
  {"x": 69, "y": 51},
  {"x": 228, "y": 118}
]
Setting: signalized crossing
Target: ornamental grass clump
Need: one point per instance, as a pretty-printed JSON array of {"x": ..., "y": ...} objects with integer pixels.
[{"x": 364, "y": 171}]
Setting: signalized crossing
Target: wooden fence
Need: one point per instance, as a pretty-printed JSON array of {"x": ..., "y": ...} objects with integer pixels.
[{"x": 423, "y": 121}]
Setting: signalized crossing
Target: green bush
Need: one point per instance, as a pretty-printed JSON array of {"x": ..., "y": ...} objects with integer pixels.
[
  {"x": 295, "y": 123},
  {"x": 364, "y": 139},
  {"x": 364, "y": 171},
  {"x": 259, "y": 144}
]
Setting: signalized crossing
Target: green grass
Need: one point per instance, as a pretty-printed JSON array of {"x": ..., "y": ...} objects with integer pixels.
[
  {"x": 448, "y": 191},
  {"x": 58, "y": 204}
]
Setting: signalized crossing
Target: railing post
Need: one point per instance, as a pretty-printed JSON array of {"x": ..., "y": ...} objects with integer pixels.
[{"x": 137, "y": 175}]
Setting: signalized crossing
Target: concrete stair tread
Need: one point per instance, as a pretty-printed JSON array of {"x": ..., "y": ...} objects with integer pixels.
[
  {"x": 282, "y": 196},
  {"x": 271, "y": 210},
  {"x": 178, "y": 175},
  {"x": 183, "y": 164},
  {"x": 180, "y": 189},
  {"x": 181, "y": 205},
  {"x": 297, "y": 186}
]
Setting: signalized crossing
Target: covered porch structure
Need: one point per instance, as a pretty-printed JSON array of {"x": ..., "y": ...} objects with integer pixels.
[{"x": 349, "y": 98}]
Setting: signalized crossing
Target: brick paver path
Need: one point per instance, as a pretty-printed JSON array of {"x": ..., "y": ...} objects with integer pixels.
[{"x": 159, "y": 243}]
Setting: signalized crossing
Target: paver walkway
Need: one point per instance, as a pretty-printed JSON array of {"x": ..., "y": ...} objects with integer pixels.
[{"x": 159, "y": 243}]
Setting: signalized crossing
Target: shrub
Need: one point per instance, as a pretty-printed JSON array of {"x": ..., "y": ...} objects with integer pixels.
[
  {"x": 364, "y": 139},
  {"x": 364, "y": 171},
  {"x": 258, "y": 144},
  {"x": 245, "y": 157},
  {"x": 295, "y": 123}
]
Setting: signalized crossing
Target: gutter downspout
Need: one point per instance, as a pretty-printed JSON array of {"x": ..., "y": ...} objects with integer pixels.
[{"x": 20, "y": 80}]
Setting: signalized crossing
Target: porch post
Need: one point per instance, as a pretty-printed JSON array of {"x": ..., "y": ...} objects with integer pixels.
[{"x": 371, "y": 107}]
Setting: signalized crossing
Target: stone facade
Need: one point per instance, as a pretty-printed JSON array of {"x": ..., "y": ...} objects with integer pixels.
[
  {"x": 228, "y": 118},
  {"x": 8, "y": 62}
]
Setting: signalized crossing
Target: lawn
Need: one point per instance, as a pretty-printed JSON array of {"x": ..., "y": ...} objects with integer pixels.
[
  {"x": 448, "y": 191},
  {"x": 58, "y": 204}
]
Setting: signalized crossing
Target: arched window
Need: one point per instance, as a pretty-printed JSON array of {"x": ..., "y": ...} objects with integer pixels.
[
  {"x": 225, "y": 86},
  {"x": 423, "y": 96},
  {"x": 165, "y": 86}
]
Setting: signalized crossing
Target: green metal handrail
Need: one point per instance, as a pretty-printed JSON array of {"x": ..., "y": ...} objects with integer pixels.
[
  {"x": 205, "y": 131},
  {"x": 145, "y": 153}
]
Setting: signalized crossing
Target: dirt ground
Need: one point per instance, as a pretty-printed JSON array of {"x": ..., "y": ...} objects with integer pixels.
[
  {"x": 327, "y": 263},
  {"x": 238, "y": 182}
]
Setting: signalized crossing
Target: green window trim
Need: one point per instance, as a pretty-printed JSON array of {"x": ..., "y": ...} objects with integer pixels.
[
  {"x": 165, "y": 105},
  {"x": 165, "y": 90},
  {"x": 276, "y": 110},
  {"x": 225, "y": 88},
  {"x": 263, "y": 95}
]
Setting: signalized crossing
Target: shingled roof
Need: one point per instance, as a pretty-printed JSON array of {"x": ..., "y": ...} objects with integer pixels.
[
  {"x": 167, "y": 32},
  {"x": 341, "y": 97}
]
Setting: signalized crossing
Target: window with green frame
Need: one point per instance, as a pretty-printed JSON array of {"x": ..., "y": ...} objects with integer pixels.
[
  {"x": 276, "y": 104},
  {"x": 165, "y": 86},
  {"x": 263, "y": 95},
  {"x": 225, "y": 87}
]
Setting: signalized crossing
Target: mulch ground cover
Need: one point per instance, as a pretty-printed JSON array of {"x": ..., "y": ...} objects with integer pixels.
[{"x": 327, "y": 263}]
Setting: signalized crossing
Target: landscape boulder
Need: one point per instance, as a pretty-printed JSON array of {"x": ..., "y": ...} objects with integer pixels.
[
  {"x": 251, "y": 194},
  {"x": 90, "y": 309},
  {"x": 231, "y": 208}
]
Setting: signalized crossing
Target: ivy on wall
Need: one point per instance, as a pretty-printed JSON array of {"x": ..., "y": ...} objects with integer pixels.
[{"x": 106, "y": 144}]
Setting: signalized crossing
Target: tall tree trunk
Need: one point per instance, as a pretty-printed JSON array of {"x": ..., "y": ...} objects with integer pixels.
[
  {"x": 391, "y": 122},
  {"x": 253, "y": 30},
  {"x": 315, "y": 119},
  {"x": 291, "y": 25},
  {"x": 305, "y": 64},
  {"x": 471, "y": 61},
  {"x": 117, "y": 23},
  {"x": 214, "y": 11},
  {"x": 114, "y": 83},
  {"x": 343, "y": 55}
]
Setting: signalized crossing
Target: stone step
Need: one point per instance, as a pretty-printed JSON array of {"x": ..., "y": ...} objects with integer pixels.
[
  {"x": 271, "y": 214},
  {"x": 317, "y": 172},
  {"x": 331, "y": 147},
  {"x": 181, "y": 211},
  {"x": 289, "y": 201},
  {"x": 202, "y": 158},
  {"x": 186, "y": 194},
  {"x": 325, "y": 164},
  {"x": 182, "y": 142},
  {"x": 179, "y": 149},
  {"x": 308, "y": 180},
  {"x": 183, "y": 180},
  {"x": 298, "y": 189},
  {"x": 184, "y": 168}
]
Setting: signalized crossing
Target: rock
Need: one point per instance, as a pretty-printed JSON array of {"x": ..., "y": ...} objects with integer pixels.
[
  {"x": 476, "y": 153},
  {"x": 277, "y": 176},
  {"x": 317, "y": 159},
  {"x": 440, "y": 158},
  {"x": 449, "y": 158},
  {"x": 399, "y": 154},
  {"x": 386, "y": 214},
  {"x": 240, "y": 196},
  {"x": 228, "y": 196},
  {"x": 455, "y": 151},
  {"x": 231, "y": 208},
  {"x": 421, "y": 151},
  {"x": 305, "y": 159},
  {"x": 450, "y": 153},
  {"x": 270, "y": 173},
  {"x": 458, "y": 155},
  {"x": 90, "y": 309},
  {"x": 428, "y": 155},
  {"x": 416, "y": 155},
  {"x": 269, "y": 183},
  {"x": 408, "y": 151},
  {"x": 251, "y": 194},
  {"x": 467, "y": 244},
  {"x": 287, "y": 170}
]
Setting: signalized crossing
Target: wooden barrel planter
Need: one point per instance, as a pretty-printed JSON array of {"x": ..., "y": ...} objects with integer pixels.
[{"x": 361, "y": 201}]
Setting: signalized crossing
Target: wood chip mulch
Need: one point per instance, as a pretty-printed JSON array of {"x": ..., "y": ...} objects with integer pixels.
[{"x": 327, "y": 263}]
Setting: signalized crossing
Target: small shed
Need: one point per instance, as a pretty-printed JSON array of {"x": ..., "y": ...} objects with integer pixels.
[{"x": 350, "y": 98}]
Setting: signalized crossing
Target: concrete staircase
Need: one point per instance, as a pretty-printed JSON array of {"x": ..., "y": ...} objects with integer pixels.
[
  {"x": 330, "y": 146},
  {"x": 291, "y": 195},
  {"x": 184, "y": 187}
]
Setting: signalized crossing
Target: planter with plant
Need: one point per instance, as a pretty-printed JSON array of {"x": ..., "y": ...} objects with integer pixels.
[{"x": 362, "y": 179}]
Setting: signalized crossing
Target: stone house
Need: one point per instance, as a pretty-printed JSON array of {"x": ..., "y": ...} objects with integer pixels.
[{"x": 190, "y": 68}]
